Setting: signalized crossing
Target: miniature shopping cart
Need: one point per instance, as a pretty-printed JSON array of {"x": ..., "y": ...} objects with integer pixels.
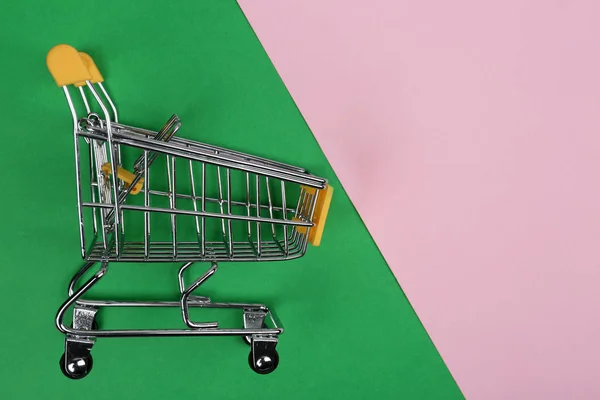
[{"x": 151, "y": 196}]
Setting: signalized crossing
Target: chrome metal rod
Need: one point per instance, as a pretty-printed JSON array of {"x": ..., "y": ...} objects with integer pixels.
[
  {"x": 92, "y": 190},
  {"x": 258, "y": 217},
  {"x": 186, "y": 294},
  {"x": 172, "y": 191},
  {"x": 216, "y": 200},
  {"x": 217, "y": 149},
  {"x": 171, "y": 332},
  {"x": 166, "y": 304},
  {"x": 223, "y": 232},
  {"x": 248, "y": 205},
  {"x": 229, "y": 233},
  {"x": 114, "y": 164},
  {"x": 285, "y": 227},
  {"x": 174, "y": 149},
  {"x": 78, "y": 276},
  {"x": 112, "y": 105},
  {"x": 180, "y": 279},
  {"x": 195, "y": 202},
  {"x": 147, "y": 205},
  {"x": 75, "y": 296},
  {"x": 77, "y": 171},
  {"x": 270, "y": 200},
  {"x": 203, "y": 209},
  {"x": 202, "y": 214}
]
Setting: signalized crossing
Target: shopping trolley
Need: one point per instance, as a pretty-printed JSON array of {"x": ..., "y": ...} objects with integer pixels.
[{"x": 152, "y": 196}]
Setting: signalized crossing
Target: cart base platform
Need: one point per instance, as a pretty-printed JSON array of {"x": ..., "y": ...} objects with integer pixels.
[{"x": 260, "y": 329}]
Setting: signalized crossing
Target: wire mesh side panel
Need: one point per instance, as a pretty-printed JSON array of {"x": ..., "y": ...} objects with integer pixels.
[{"x": 190, "y": 210}]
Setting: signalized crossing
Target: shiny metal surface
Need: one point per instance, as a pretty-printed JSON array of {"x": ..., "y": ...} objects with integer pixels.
[
  {"x": 83, "y": 318},
  {"x": 235, "y": 206}
]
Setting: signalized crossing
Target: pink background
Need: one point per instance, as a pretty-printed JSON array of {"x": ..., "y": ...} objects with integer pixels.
[{"x": 467, "y": 133}]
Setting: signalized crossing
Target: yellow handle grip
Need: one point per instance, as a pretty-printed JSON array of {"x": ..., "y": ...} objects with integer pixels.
[
  {"x": 92, "y": 69},
  {"x": 319, "y": 215},
  {"x": 66, "y": 65},
  {"x": 125, "y": 176}
]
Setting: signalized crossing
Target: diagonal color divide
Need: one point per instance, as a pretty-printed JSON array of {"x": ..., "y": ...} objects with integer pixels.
[
  {"x": 349, "y": 332},
  {"x": 467, "y": 134}
]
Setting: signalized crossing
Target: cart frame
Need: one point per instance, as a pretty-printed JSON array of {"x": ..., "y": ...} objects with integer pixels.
[{"x": 110, "y": 188}]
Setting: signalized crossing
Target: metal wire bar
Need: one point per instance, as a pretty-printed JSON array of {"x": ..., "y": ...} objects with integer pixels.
[
  {"x": 234, "y": 203},
  {"x": 172, "y": 197},
  {"x": 117, "y": 210},
  {"x": 285, "y": 227},
  {"x": 147, "y": 205},
  {"x": 203, "y": 209},
  {"x": 195, "y": 203},
  {"x": 223, "y": 232},
  {"x": 211, "y": 157},
  {"x": 270, "y": 200},
  {"x": 258, "y": 242},
  {"x": 77, "y": 171},
  {"x": 92, "y": 189},
  {"x": 220, "y": 150},
  {"x": 256, "y": 219},
  {"x": 248, "y": 205},
  {"x": 188, "y": 251},
  {"x": 229, "y": 233}
]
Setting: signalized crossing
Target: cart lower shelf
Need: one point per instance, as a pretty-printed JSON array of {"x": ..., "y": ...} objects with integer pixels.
[{"x": 259, "y": 328}]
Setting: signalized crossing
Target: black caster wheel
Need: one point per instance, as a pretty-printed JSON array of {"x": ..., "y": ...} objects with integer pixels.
[
  {"x": 77, "y": 368},
  {"x": 265, "y": 363}
]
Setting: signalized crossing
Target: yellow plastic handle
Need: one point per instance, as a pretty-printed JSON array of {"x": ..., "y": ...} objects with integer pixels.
[
  {"x": 319, "y": 215},
  {"x": 66, "y": 65},
  {"x": 92, "y": 69},
  {"x": 125, "y": 176}
]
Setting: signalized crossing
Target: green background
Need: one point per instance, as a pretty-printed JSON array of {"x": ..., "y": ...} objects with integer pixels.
[{"x": 350, "y": 332}]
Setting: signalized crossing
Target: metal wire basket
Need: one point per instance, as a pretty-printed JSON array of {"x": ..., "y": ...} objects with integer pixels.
[{"x": 181, "y": 201}]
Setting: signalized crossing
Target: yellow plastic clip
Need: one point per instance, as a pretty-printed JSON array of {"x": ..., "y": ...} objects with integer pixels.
[
  {"x": 319, "y": 215},
  {"x": 66, "y": 66},
  {"x": 92, "y": 69},
  {"x": 125, "y": 176}
]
